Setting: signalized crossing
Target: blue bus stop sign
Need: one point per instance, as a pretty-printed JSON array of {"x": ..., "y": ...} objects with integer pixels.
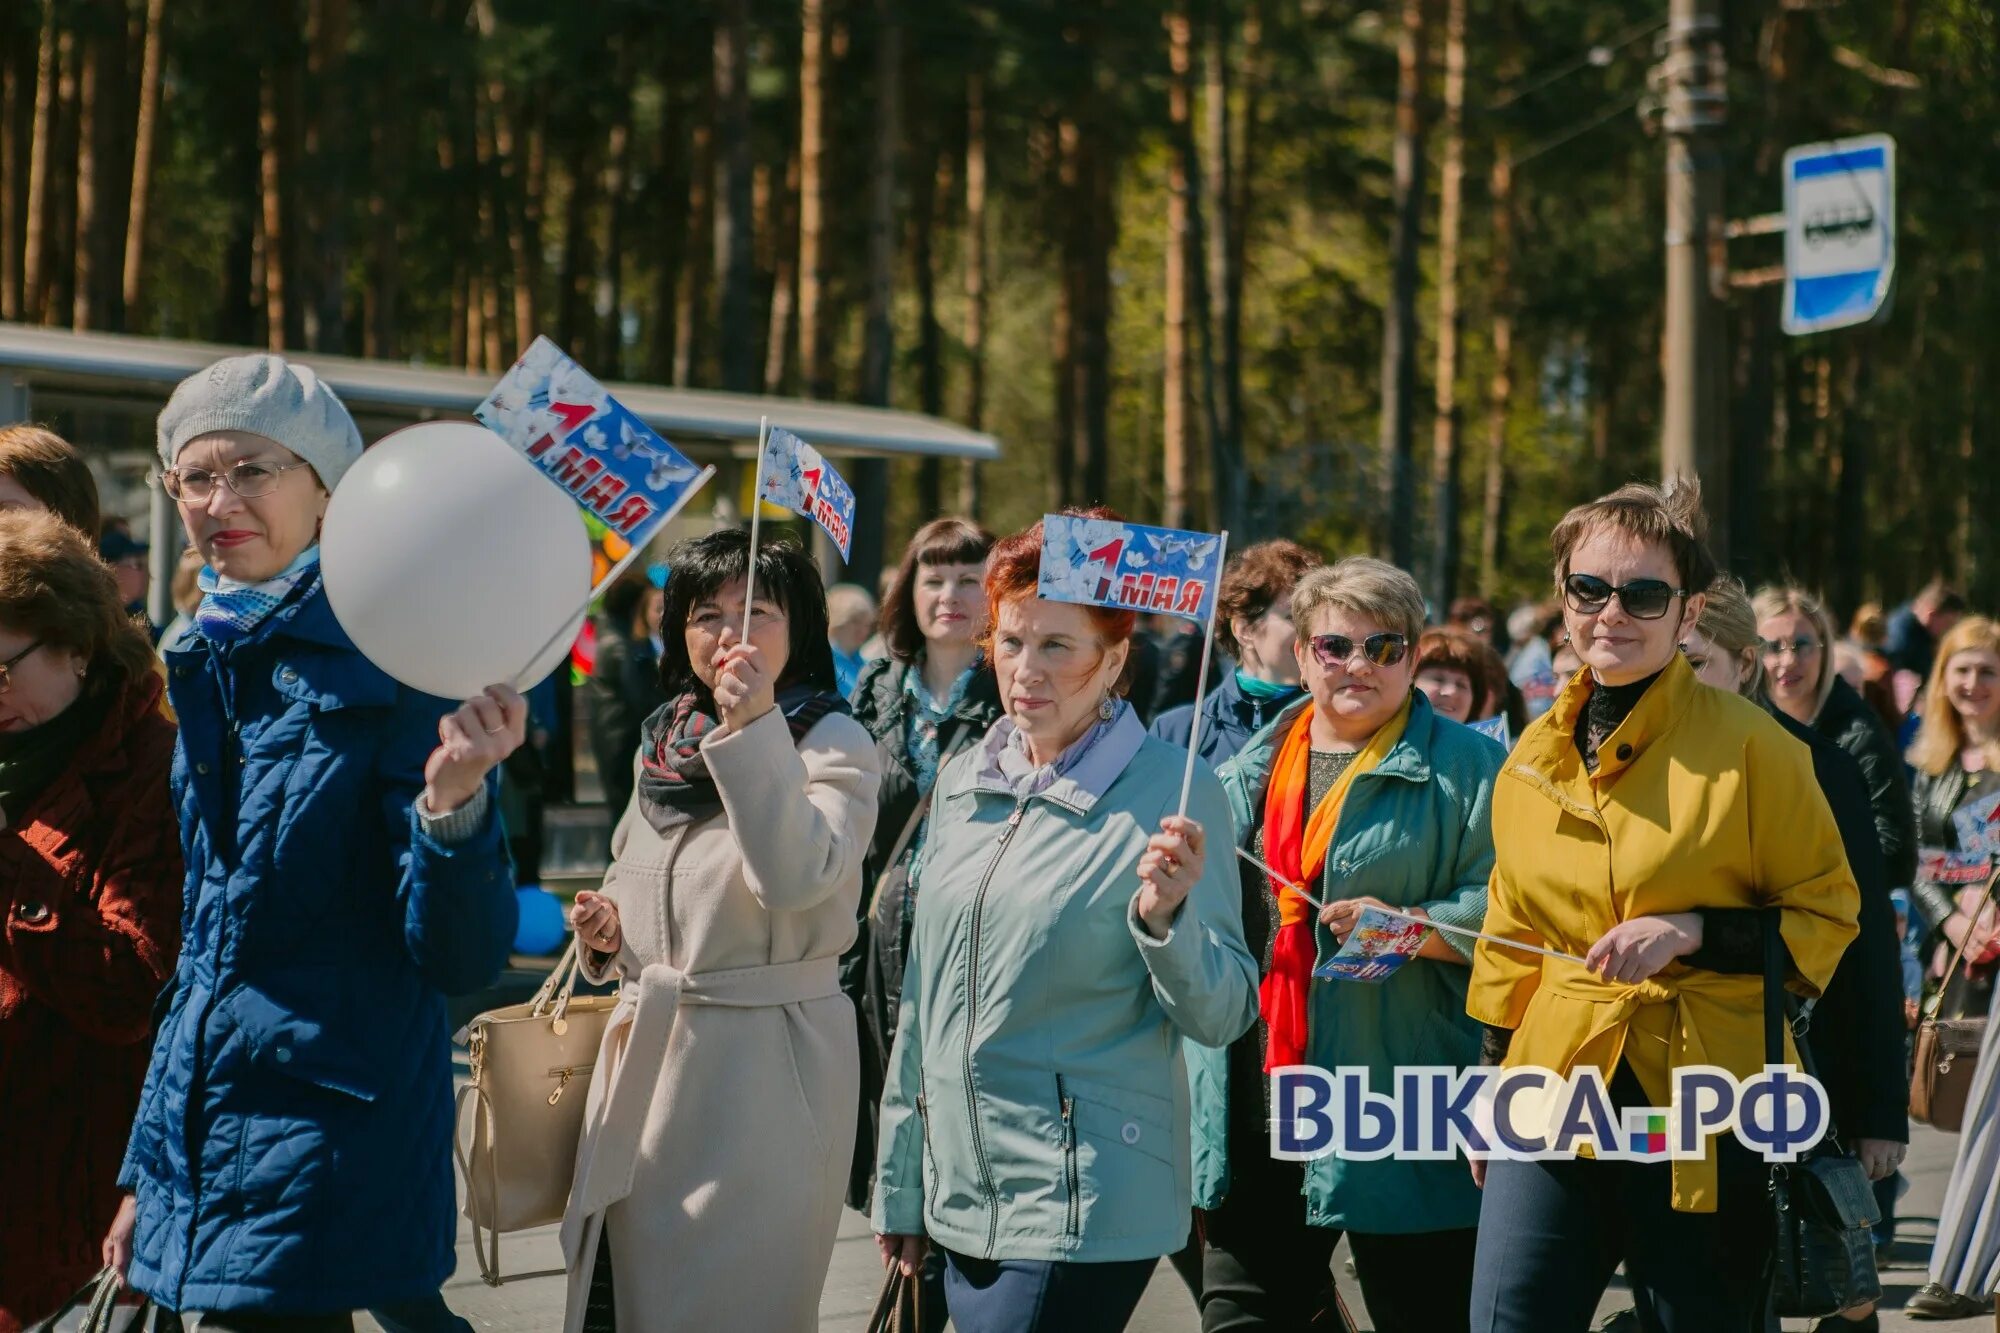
[{"x": 1840, "y": 235}]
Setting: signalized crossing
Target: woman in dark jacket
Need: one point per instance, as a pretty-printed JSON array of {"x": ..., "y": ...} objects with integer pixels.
[
  {"x": 90, "y": 891},
  {"x": 1799, "y": 672},
  {"x": 1856, "y": 1034},
  {"x": 932, "y": 696},
  {"x": 624, "y": 687},
  {"x": 292, "y": 1157}
]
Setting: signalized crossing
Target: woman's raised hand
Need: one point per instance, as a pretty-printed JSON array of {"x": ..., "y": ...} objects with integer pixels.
[
  {"x": 1172, "y": 863},
  {"x": 474, "y": 740}
]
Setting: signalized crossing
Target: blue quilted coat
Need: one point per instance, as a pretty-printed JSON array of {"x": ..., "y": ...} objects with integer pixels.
[{"x": 292, "y": 1152}]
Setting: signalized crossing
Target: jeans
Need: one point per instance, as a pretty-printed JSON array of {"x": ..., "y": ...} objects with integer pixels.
[
  {"x": 1040, "y": 1296},
  {"x": 430, "y": 1315}
]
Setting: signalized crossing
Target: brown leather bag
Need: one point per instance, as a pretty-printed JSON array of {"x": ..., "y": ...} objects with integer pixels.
[{"x": 1947, "y": 1049}]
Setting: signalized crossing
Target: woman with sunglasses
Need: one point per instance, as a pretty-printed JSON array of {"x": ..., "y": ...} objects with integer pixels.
[
  {"x": 1856, "y": 1035},
  {"x": 1797, "y": 644},
  {"x": 1634, "y": 823},
  {"x": 292, "y": 1158},
  {"x": 1363, "y": 794}
]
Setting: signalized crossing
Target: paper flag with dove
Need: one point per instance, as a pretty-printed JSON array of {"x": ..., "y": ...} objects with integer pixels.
[
  {"x": 796, "y": 477},
  {"x": 1129, "y": 566},
  {"x": 617, "y": 468},
  {"x": 1378, "y": 945}
]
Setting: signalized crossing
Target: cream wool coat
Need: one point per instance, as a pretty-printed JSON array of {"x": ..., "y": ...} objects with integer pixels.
[{"x": 720, "y": 1119}]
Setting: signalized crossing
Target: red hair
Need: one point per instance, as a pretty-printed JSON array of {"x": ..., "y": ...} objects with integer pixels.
[{"x": 1014, "y": 571}]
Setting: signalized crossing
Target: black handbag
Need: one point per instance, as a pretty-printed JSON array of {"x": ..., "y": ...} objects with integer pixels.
[{"x": 1823, "y": 1205}]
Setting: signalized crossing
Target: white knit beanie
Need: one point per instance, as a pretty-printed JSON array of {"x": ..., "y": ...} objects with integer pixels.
[{"x": 269, "y": 396}]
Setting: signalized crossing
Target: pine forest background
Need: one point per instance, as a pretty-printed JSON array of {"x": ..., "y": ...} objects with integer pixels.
[{"x": 1378, "y": 276}]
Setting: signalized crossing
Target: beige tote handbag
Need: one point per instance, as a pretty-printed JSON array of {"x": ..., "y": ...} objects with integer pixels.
[{"x": 531, "y": 1067}]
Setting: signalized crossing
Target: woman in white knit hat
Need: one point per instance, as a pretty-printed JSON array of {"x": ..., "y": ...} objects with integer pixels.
[{"x": 291, "y": 1161}]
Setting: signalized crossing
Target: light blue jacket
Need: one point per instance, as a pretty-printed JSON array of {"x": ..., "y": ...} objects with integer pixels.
[
  {"x": 1037, "y": 1103},
  {"x": 1416, "y": 830}
]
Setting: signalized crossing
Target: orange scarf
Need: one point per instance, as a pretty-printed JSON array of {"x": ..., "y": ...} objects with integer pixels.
[{"x": 1295, "y": 845}]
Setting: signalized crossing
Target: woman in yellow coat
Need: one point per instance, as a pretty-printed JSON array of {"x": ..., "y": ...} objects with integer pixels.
[{"x": 1647, "y": 823}]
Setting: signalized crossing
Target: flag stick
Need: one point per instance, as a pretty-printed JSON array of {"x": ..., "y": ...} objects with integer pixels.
[
  {"x": 611, "y": 577},
  {"x": 1201, "y": 681},
  {"x": 1412, "y": 916},
  {"x": 756, "y": 516}
]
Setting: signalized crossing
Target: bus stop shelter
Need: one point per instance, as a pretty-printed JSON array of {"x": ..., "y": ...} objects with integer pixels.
[{"x": 104, "y": 390}]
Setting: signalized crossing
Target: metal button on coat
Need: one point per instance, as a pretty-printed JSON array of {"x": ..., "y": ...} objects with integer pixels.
[
  {"x": 32, "y": 913},
  {"x": 1130, "y": 1133},
  {"x": 289, "y": 676},
  {"x": 284, "y": 1055},
  {"x": 201, "y": 768}
]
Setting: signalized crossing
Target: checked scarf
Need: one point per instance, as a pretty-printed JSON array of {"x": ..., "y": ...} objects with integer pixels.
[{"x": 674, "y": 782}]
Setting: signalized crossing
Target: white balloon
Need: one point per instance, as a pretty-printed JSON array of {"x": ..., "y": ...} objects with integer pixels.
[{"x": 453, "y": 563}]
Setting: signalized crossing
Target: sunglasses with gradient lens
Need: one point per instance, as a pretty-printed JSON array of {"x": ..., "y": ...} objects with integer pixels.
[
  {"x": 1337, "y": 650},
  {"x": 1643, "y": 599}
]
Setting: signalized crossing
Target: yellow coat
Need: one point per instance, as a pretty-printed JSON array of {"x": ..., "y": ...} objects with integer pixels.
[{"x": 1699, "y": 800}]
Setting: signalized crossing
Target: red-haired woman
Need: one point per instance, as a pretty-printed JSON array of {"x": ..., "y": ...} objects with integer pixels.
[{"x": 1069, "y": 932}]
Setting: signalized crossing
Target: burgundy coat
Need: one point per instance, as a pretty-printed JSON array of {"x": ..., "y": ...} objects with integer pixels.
[{"x": 90, "y": 899}]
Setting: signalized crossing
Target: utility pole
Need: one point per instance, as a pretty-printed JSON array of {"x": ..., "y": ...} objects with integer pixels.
[{"x": 1694, "y": 419}]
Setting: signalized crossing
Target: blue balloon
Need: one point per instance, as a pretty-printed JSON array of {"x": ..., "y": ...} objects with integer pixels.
[{"x": 542, "y": 929}]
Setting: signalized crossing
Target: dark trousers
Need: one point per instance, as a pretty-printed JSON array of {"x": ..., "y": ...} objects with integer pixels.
[
  {"x": 1038, "y": 1296},
  {"x": 1551, "y": 1234},
  {"x": 430, "y": 1315},
  {"x": 240, "y": 1322},
  {"x": 1267, "y": 1268}
]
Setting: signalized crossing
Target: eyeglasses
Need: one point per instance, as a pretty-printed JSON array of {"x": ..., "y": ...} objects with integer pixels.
[
  {"x": 1800, "y": 648},
  {"x": 1643, "y": 599},
  {"x": 248, "y": 480},
  {"x": 1337, "y": 650},
  {"x": 7, "y": 667}
]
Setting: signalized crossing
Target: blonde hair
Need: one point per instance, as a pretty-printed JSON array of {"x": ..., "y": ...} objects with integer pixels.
[
  {"x": 846, "y": 602},
  {"x": 1364, "y": 586},
  {"x": 1772, "y": 600},
  {"x": 1730, "y": 623},
  {"x": 1941, "y": 735},
  {"x": 1670, "y": 516}
]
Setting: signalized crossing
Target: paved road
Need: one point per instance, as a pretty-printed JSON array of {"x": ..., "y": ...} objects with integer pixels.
[{"x": 534, "y": 1304}]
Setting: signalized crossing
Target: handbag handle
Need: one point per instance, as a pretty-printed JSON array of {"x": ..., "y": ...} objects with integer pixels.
[
  {"x": 1932, "y": 1005},
  {"x": 560, "y": 983}
]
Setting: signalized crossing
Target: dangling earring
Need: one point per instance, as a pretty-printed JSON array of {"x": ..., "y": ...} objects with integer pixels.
[{"x": 1105, "y": 712}]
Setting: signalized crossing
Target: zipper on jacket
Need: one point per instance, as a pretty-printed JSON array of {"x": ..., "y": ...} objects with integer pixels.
[
  {"x": 1069, "y": 1157},
  {"x": 972, "y": 1022},
  {"x": 924, "y": 1120}
]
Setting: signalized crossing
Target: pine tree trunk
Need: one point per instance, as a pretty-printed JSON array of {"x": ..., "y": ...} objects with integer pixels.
[
  {"x": 878, "y": 339},
  {"x": 83, "y": 303},
  {"x": 815, "y": 376},
  {"x": 34, "y": 260},
  {"x": 969, "y": 480},
  {"x": 10, "y": 182},
  {"x": 735, "y": 269},
  {"x": 611, "y": 282},
  {"x": 1399, "y": 324},
  {"x": 691, "y": 300},
  {"x": 57, "y": 260},
  {"x": 1068, "y": 317},
  {"x": 145, "y": 136},
  {"x": 1446, "y": 439},
  {"x": 926, "y": 190},
  {"x": 778, "y": 347},
  {"x": 1093, "y": 444},
  {"x": 1177, "y": 457},
  {"x": 270, "y": 178},
  {"x": 1219, "y": 188},
  {"x": 1500, "y": 392}
]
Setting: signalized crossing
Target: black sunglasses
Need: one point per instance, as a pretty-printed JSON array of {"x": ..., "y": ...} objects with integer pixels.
[
  {"x": 1337, "y": 650},
  {"x": 1643, "y": 599}
]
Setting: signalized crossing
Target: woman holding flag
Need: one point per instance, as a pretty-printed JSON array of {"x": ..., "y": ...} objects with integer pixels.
[
  {"x": 1635, "y": 820},
  {"x": 1070, "y": 931},
  {"x": 1363, "y": 793},
  {"x": 721, "y": 1110}
]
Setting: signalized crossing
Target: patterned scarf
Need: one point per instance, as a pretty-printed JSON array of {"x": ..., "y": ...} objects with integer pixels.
[
  {"x": 675, "y": 786},
  {"x": 231, "y": 610},
  {"x": 1004, "y": 760},
  {"x": 1296, "y": 845}
]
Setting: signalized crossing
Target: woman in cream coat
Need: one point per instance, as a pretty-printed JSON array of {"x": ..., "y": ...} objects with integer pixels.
[{"x": 721, "y": 1110}]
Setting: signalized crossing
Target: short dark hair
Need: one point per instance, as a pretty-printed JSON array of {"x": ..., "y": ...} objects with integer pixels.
[
  {"x": 785, "y": 573},
  {"x": 621, "y": 601},
  {"x": 1254, "y": 581},
  {"x": 49, "y": 468},
  {"x": 53, "y": 588},
  {"x": 1670, "y": 516},
  {"x": 942, "y": 541}
]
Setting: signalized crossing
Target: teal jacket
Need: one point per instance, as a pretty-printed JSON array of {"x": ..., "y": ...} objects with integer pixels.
[
  {"x": 1036, "y": 1104},
  {"x": 1416, "y": 830}
]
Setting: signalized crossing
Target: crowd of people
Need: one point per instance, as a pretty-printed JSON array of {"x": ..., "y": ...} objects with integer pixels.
[{"x": 912, "y": 909}]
